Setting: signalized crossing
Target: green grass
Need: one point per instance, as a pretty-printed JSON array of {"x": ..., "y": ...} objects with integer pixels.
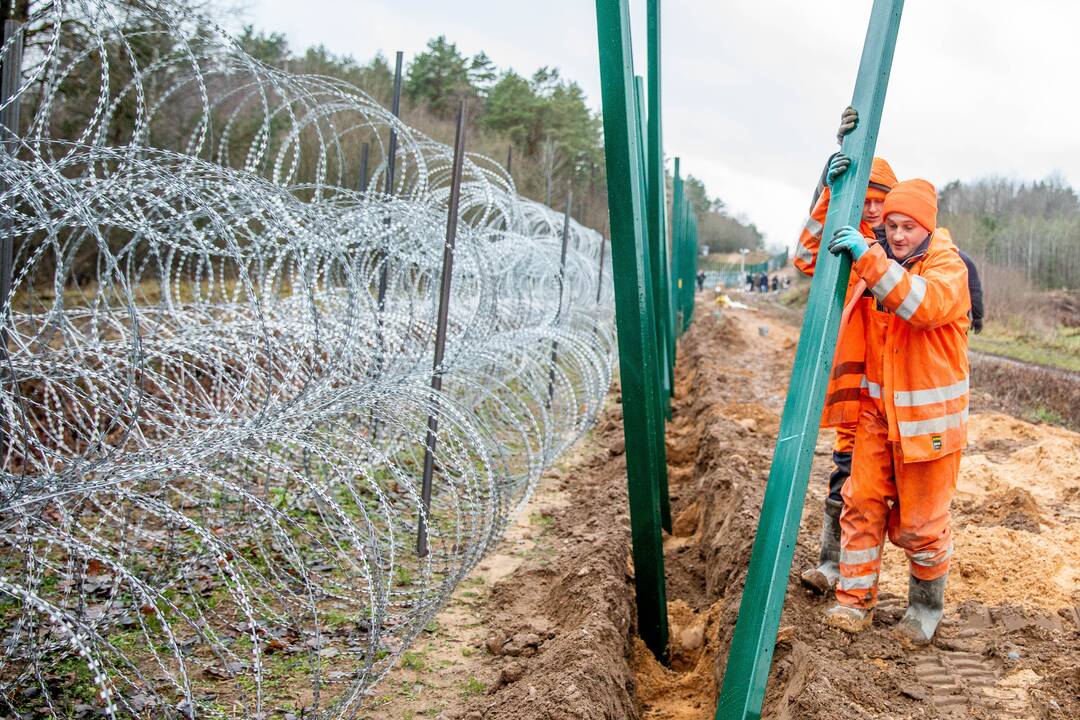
[
  {"x": 1059, "y": 347},
  {"x": 413, "y": 661},
  {"x": 472, "y": 686},
  {"x": 1045, "y": 415}
]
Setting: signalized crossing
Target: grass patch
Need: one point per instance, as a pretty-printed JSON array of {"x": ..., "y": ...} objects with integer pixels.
[
  {"x": 1058, "y": 347},
  {"x": 472, "y": 686},
  {"x": 1046, "y": 416}
]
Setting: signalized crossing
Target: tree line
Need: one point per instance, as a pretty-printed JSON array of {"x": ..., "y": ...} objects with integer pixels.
[
  {"x": 1033, "y": 228},
  {"x": 539, "y": 123}
]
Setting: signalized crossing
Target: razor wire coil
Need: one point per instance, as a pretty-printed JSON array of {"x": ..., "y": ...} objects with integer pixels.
[{"x": 212, "y": 433}]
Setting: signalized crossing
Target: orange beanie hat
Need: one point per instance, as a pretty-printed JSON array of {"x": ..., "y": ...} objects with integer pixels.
[
  {"x": 915, "y": 198},
  {"x": 882, "y": 179}
]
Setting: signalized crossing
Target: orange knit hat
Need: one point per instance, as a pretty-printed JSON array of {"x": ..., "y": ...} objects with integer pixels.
[
  {"x": 915, "y": 198},
  {"x": 882, "y": 179}
]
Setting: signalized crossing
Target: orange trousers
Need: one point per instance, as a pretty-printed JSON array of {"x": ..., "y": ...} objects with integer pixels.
[
  {"x": 910, "y": 501},
  {"x": 845, "y": 438}
]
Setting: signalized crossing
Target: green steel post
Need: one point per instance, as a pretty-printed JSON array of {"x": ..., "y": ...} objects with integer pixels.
[
  {"x": 657, "y": 192},
  {"x": 677, "y": 228},
  {"x": 691, "y": 269},
  {"x": 655, "y": 322},
  {"x": 636, "y": 334},
  {"x": 770, "y": 562}
]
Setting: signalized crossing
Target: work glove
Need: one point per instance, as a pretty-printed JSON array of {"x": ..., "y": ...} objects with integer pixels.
[
  {"x": 838, "y": 165},
  {"x": 848, "y": 239},
  {"x": 848, "y": 120}
]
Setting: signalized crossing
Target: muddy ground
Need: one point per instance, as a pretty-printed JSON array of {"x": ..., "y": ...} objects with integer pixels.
[{"x": 544, "y": 628}]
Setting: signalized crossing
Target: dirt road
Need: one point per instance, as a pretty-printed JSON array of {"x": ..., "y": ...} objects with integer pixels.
[{"x": 553, "y": 638}]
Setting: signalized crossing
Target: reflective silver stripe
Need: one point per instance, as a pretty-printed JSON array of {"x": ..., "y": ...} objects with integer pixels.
[
  {"x": 888, "y": 281},
  {"x": 914, "y": 297},
  {"x": 926, "y": 557},
  {"x": 857, "y": 557},
  {"x": 802, "y": 253},
  {"x": 862, "y": 582},
  {"x": 933, "y": 425},
  {"x": 871, "y": 387},
  {"x": 931, "y": 396},
  {"x": 813, "y": 227}
]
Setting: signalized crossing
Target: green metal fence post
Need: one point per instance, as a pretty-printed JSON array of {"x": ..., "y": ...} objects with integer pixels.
[
  {"x": 677, "y": 242},
  {"x": 657, "y": 193},
  {"x": 638, "y": 360},
  {"x": 661, "y": 396},
  {"x": 770, "y": 562}
]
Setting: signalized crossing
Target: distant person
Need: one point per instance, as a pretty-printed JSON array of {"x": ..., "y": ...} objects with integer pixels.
[
  {"x": 775, "y": 284},
  {"x": 912, "y": 426},
  {"x": 749, "y": 282},
  {"x": 700, "y": 280},
  {"x": 763, "y": 283},
  {"x": 975, "y": 291}
]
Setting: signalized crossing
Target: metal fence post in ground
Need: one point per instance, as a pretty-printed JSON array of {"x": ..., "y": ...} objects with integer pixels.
[
  {"x": 509, "y": 160},
  {"x": 364, "y": 151},
  {"x": 391, "y": 156},
  {"x": 634, "y": 319},
  {"x": 656, "y": 200},
  {"x": 9, "y": 120},
  {"x": 678, "y": 227},
  {"x": 774, "y": 545},
  {"x": 558, "y": 311},
  {"x": 661, "y": 397},
  {"x": 440, "y": 327}
]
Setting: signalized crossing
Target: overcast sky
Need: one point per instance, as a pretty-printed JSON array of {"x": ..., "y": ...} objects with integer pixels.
[{"x": 753, "y": 89}]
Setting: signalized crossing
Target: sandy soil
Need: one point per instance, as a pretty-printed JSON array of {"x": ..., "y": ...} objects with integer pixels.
[{"x": 554, "y": 637}]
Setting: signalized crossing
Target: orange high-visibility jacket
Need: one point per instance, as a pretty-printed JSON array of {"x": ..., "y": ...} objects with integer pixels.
[
  {"x": 842, "y": 395},
  {"x": 916, "y": 345}
]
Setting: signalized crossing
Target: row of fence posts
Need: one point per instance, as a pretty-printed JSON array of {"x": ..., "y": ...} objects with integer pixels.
[
  {"x": 654, "y": 291},
  {"x": 650, "y": 316}
]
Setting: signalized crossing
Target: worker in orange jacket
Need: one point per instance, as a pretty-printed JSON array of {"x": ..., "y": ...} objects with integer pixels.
[
  {"x": 842, "y": 396},
  {"x": 913, "y": 411}
]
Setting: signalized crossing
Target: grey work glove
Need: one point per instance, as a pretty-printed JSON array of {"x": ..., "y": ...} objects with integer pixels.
[
  {"x": 838, "y": 165},
  {"x": 848, "y": 120}
]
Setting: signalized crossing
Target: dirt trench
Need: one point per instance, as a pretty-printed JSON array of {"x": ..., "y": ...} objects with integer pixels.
[{"x": 555, "y": 637}]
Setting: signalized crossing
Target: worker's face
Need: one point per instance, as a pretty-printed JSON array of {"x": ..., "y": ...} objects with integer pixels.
[
  {"x": 871, "y": 212},
  {"x": 903, "y": 234}
]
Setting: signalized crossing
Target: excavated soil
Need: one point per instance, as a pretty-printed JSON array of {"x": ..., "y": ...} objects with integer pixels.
[{"x": 555, "y": 637}]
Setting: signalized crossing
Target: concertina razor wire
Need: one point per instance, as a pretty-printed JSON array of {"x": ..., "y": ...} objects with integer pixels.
[{"x": 212, "y": 436}]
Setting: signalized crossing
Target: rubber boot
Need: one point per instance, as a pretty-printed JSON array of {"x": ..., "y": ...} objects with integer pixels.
[
  {"x": 849, "y": 619},
  {"x": 823, "y": 578},
  {"x": 926, "y": 604}
]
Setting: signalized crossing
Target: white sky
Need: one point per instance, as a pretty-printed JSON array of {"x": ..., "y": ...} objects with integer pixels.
[{"x": 753, "y": 90}]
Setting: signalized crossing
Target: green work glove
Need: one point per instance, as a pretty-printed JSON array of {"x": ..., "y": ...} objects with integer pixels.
[
  {"x": 848, "y": 239},
  {"x": 837, "y": 167},
  {"x": 848, "y": 120}
]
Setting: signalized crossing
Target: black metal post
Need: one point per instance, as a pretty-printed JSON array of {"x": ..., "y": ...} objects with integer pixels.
[
  {"x": 558, "y": 311},
  {"x": 391, "y": 156},
  {"x": 9, "y": 126},
  {"x": 9, "y": 119},
  {"x": 364, "y": 150},
  {"x": 440, "y": 324}
]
